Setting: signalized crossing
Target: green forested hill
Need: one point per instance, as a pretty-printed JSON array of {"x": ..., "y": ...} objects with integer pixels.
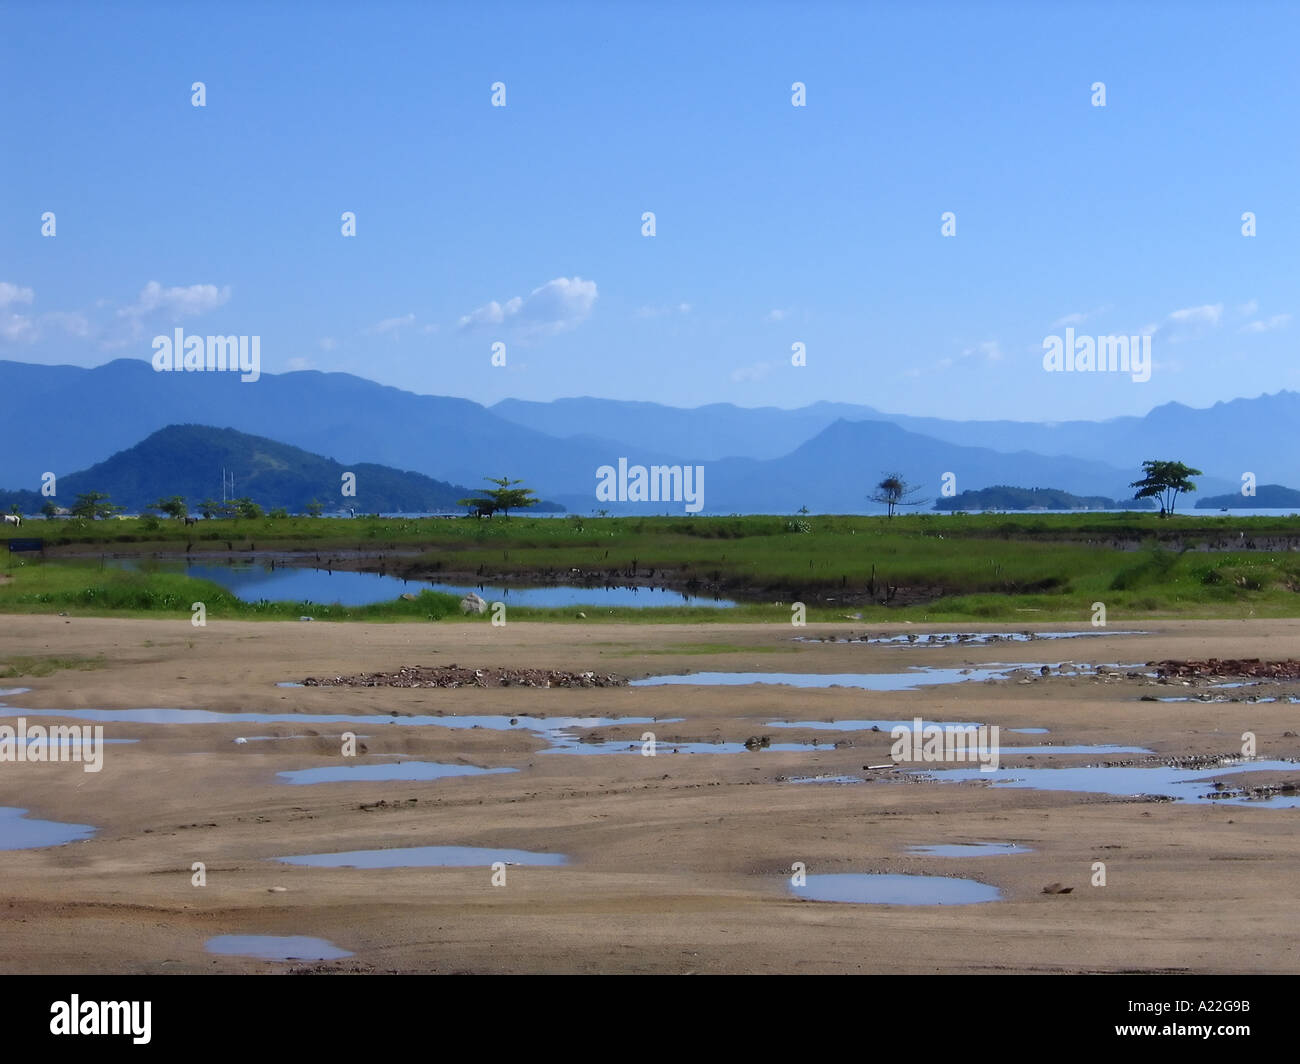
[{"x": 188, "y": 460}]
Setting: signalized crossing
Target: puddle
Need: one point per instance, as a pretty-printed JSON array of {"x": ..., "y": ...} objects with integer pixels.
[
  {"x": 14, "y": 691},
  {"x": 864, "y": 725},
  {"x": 663, "y": 747},
  {"x": 1195, "y": 787},
  {"x": 19, "y": 833},
  {"x": 966, "y": 639},
  {"x": 1065, "y": 748},
  {"x": 427, "y": 857},
  {"x": 970, "y": 849},
  {"x": 823, "y": 779},
  {"x": 546, "y": 727},
  {"x": 275, "y": 947},
  {"x": 1249, "y": 700},
  {"x": 917, "y": 676},
  {"x": 272, "y": 738},
  {"x": 885, "y": 727},
  {"x": 498, "y": 722},
  {"x": 895, "y": 890},
  {"x": 397, "y": 770}
]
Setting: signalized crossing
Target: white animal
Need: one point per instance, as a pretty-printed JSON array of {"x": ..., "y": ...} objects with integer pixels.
[{"x": 13, "y": 519}]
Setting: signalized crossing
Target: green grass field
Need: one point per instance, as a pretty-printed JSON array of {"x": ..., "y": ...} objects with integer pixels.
[{"x": 988, "y": 567}]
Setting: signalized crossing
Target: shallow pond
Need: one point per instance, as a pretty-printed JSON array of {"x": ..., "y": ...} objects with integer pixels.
[
  {"x": 276, "y": 947},
  {"x": 427, "y": 857},
  {"x": 253, "y": 582},
  {"x": 395, "y": 770},
  {"x": 969, "y": 849},
  {"x": 880, "y": 889},
  {"x": 949, "y": 639},
  {"x": 17, "y": 832},
  {"x": 1196, "y": 787}
]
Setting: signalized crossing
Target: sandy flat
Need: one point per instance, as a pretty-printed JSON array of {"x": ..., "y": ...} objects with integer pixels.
[{"x": 678, "y": 862}]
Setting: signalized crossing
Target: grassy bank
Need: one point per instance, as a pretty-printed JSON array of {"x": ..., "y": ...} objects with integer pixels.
[
  {"x": 521, "y": 531},
  {"x": 843, "y": 567}
]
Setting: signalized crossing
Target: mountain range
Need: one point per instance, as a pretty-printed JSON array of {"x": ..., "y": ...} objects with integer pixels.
[{"x": 826, "y": 456}]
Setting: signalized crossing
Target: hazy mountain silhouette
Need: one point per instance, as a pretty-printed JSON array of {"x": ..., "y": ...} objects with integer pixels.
[{"x": 826, "y": 456}]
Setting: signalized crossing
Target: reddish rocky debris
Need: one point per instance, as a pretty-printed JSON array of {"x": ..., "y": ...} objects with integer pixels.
[
  {"x": 459, "y": 676},
  {"x": 1252, "y": 668}
]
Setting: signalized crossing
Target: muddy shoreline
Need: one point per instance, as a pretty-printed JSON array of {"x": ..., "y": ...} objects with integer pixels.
[{"x": 677, "y": 862}]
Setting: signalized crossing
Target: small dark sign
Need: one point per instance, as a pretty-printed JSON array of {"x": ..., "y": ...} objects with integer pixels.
[{"x": 16, "y": 545}]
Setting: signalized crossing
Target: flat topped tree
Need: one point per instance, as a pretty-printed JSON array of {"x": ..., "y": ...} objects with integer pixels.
[
  {"x": 1164, "y": 482},
  {"x": 506, "y": 497}
]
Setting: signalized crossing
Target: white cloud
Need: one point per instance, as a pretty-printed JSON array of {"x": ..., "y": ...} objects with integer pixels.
[
  {"x": 551, "y": 308},
  {"x": 1209, "y": 314},
  {"x": 1069, "y": 319},
  {"x": 938, "y": 367},
  {"x": 23, "y": 328},
  {"x": 489, "y": 314},
  {"x": 178, "y": 302},
  {"x": 659, "y": 312},
  {"x": 990, "y": 349},
  {"x": 73, "y": 322},
  {"x": 15, "y": 328},
  {"x": 1277, "y": 321},
  {"x": 391, "y": 325},
  {"x": 756, "y": 372},
  {"x": 12, "y": 293},
  {"x": 1079, "y": 317}
]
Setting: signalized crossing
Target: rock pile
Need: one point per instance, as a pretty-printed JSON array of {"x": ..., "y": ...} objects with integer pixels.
[
  {"x": 1217, "y": 668},
  {"x": 461, "y": 676}
]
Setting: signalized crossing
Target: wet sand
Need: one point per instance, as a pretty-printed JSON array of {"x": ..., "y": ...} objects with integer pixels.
[{"x": 678, "y": 862}]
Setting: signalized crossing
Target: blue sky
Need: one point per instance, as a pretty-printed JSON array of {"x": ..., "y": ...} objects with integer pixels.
[{"x": 774, "y": 224}]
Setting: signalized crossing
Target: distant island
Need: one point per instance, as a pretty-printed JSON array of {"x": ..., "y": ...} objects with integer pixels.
[
  {"x": 1003, "y": 497},
  {"x": 1266, "y": 497}
]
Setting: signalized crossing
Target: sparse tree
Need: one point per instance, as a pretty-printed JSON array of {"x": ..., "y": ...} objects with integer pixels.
[
  {"x": 893, "y": 492},
  {"x": 209, "y": 508},
  {"x": 315, "y": 508},
  {"x": 172, "y": 506},
  {"x": 50, "y": 510},
  {"x": 246, "y": 508},
  {"x": 505, "y": 497},
  {"x": 94, "y": 505},
  {"x": 1164, "y": 482},
  {"x": 478, "y": 506}
]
